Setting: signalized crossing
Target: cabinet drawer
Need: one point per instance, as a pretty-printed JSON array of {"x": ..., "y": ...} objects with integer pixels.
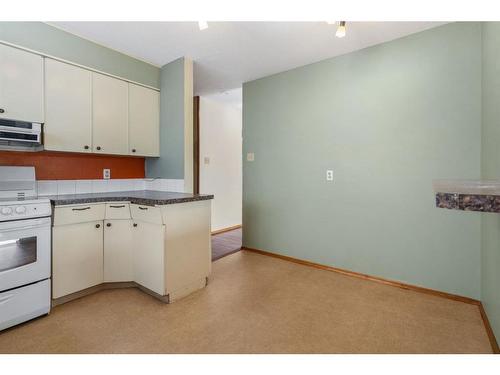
[
  {"x": 146, "y": 213},
  {"x": 118, "y": 210},
  {"x": 80, "y": 213}
]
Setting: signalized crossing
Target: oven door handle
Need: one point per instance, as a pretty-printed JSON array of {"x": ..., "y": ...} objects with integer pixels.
[{"x": 24, "y": 227}]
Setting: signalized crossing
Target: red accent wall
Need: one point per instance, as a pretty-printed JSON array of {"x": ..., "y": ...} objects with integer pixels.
[{"x": 51, "y": 165}]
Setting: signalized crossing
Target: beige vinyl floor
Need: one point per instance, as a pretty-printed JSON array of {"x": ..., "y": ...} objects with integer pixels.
[{"x": 258, "y": 304}]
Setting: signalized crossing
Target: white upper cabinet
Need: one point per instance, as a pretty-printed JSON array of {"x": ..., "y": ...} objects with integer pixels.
[
  {"x": 82, "y": 111},
  {"x": 109, "y": 115},
  {"x": 21, "y": 85},
  {"x": 68, "y": 107},
  {"x": 144, "y": 121}
]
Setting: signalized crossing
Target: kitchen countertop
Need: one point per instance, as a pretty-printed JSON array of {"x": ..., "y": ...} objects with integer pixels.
[{"x": 142, "y": 197}]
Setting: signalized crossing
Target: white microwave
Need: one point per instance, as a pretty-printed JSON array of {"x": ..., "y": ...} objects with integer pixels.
[{"x": 20, "y": 135}]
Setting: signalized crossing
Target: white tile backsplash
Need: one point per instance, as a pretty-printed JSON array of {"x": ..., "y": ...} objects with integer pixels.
[
  {"x": 83, "y": 186},
  {"x": 66, "y": 187},
  {"x": 54, "y": 187},
  {"x": 154, "y": 184},
  {"x": 139, "y": 184},
  {"x": 148, "y": 184},
  {"x": 177, "y": 186},
  {"x": 47, "y": 187},
  {"x": 114, "y": 185},
  {"x": 99, "y": 186},
  {"x": 127, "y": 184}
]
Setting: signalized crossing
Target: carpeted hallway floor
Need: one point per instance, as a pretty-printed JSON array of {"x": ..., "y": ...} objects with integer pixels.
[{"x": 258, "y": 304}]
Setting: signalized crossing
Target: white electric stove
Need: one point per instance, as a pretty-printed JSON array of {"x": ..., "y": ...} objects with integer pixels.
[{"x": 25, "y": 241}]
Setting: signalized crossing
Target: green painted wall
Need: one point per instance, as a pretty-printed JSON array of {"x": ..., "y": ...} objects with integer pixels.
[
  {"x": 490, "y": 286},
  {"x": 388, "y": 120},
  {"x": 171, "y": 161},
  {"x": 55, "y": 42}
]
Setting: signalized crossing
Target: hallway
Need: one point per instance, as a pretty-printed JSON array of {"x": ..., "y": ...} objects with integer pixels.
[{"x": 226, "y": 243}]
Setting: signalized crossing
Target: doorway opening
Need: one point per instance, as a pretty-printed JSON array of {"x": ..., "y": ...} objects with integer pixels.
[{"x": 218, "y": 165}]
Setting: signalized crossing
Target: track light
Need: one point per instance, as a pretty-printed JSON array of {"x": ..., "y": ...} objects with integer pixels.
[
  {"x": 340, "y": 30},
  {"x": 203, "y": 25}
]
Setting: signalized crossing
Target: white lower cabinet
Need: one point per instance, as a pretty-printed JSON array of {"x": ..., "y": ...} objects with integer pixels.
[
  {"x": 118, "y": 260},
  {"x": 77, "y": 257},
  {"x": 164, "y": 249},
  {"x": 149, "y": 255}
]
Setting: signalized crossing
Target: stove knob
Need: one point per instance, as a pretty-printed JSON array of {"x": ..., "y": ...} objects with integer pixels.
[
  {"x": 20, "y": 210},
  {"x": 6, "y": 210}
]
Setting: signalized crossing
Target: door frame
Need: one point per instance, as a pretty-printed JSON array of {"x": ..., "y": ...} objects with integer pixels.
[{"x": 196, "y": 145}]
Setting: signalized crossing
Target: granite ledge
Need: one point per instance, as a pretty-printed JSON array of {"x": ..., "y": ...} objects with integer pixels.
[
  {"x": 142, "y": 197},
  {"x": 468, "y": 195},
  {"x": 469, "y": 202}
]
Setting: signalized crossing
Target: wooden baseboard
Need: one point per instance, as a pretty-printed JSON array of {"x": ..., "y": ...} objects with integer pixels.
[
  {"x": 226, "y": 229},
  {"x": 489, "y": 330},
  {"x": 454, "y": 297}
]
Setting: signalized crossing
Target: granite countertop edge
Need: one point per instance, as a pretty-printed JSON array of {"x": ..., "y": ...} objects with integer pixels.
[
  {"x": 142, "y": 197},
  {"x": 469, "y": 202}
]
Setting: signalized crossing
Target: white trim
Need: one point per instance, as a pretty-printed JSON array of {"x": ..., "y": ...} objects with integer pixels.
[
  {"x": 76, "y": 64},
  {"x": 102, "y": 45},
  {"x": 188, "y": 126}
]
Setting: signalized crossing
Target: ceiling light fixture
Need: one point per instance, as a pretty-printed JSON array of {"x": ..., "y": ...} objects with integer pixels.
[
  {"x": 340, "y": 30},
  {"x": 203, "y": 25}
]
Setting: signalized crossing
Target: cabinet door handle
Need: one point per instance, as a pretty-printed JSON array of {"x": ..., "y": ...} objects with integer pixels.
[
  {"x": 135, "y": 225},
  {"x": 108, "y": 225},
  {"x": 2, "y": 110},
  {"x": 133, "y": 150},
  {"x": 117, "y": 206},
  {"x": 98, "y": 225},
  {"x": 98, "y": 148},
  {"x": 142, "y": 208},
  {"x": 86, "y": 147},
  {"x": 81, "y": 209}
]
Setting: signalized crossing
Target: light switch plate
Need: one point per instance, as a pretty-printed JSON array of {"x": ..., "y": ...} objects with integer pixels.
[
  {"x": 329, "y": 175},
  {"x": 250, "y": 156},
  {"x": 106, "y": 174}
]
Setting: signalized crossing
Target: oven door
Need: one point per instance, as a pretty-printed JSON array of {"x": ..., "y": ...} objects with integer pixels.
[{"x": 24, "y": 252}]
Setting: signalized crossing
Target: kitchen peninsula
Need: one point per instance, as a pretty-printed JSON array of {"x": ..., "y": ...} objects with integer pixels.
[{"x": 154, "y": 240}]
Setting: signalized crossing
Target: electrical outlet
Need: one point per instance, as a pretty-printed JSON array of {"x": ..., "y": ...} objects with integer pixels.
[
  {"x": 106, "y": 174},
  {"x": 206, "y": 160},
  {"x": 329, "y": 175},
  {"x": 250, "y": 156}
]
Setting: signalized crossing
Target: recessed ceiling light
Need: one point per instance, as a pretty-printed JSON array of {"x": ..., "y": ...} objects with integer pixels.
[
  {"x": 340, "y": 30},
  {"x": 203, "y": 25}
]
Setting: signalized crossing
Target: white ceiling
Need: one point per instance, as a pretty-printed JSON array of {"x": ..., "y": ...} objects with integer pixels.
[
  {"x": 230, "y": 53},
  {"x": 233, "y": 98}
]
